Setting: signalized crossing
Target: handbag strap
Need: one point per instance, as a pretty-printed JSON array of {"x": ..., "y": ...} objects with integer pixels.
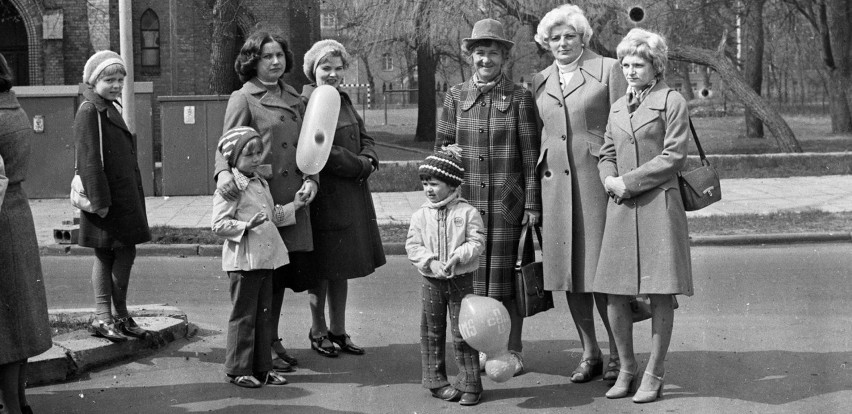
[
  {"x": 697, "y": 142},
  {"x": 100, "y": 139},
  {"x": 522, "y": 244}
]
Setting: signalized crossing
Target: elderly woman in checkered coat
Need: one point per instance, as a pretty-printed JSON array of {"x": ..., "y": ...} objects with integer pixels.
[{"x": 494, "y": 123}]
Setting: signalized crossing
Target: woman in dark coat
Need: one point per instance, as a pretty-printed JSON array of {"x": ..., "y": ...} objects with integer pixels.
[
  {"x": 107, "y": 165},
  {"x": 24, "y": 328},
  {"x": 273, "y": 108},
  {"x": 572, "y": 97},
  {"x": 645, "y": 249},
  {"x": 347, "y": 243},
  {"x": 494, "y": 123}
]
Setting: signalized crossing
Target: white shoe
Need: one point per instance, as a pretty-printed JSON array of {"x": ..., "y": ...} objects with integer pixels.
[
  {"x": 482, "y": 358},
  {"x": 518, "y": 359}
]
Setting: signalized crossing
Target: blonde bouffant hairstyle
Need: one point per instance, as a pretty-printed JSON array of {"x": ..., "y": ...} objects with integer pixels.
[
  {"x": 567, "y": 14},
  {"x": 646, "y": 45}
]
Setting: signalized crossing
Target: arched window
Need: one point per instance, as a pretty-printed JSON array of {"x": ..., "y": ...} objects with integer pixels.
[
  {"x": 387, "y": 62},
  {"x": 149, "y": 25}
]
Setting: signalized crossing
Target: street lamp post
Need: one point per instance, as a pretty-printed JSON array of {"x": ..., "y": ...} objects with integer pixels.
[{"x": 128, "y": 100}]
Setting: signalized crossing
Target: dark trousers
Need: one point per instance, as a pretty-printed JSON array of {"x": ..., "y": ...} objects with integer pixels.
[
  {"x": 438, "y": 296},
  {"x": 247, "y": 351}
]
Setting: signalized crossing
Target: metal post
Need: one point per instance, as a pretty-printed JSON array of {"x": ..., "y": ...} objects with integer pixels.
[
  {"x": 128, "y": 100},
  {"x": 385, "y": 95},
  {"x": 363, "y": 106}
]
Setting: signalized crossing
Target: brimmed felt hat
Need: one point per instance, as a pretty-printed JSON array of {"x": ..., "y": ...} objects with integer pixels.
[
  {"x": 487, "y": 29},
  {"x": 445, "y": 166},
  {"x": 233, "y": 141},
  {"x": 98, "y": 62}
]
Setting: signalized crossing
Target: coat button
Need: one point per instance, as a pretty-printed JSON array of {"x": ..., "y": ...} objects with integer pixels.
[
  {"x": 483, "y": 103},
  {"x": 564, "y": 137},
  {"x": 481, "y": 212},
  {"x": 559, "y": 104},
  {"x": 283, "y": 145},
  {"x": 481, "y": 129},
  {"x": 283, "y": 118},
  {"x": 547, "y": 173},
  {"x": 285, "y": 173},
  {"x": 482, "y": 184},
  {"x": 567, "y": 172},
  {"x": 481, "y": 158}
]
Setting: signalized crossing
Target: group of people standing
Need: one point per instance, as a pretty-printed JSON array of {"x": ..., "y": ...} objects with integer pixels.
[{"x": 591, "y": 153}]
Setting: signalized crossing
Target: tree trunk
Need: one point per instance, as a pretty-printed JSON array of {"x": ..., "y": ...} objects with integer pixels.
[
  {"x": 838, "y": 103},
  {"x": 222, "y": 48},
  {"x": 753, "y": 63},
  {"x": 688, "y": 94},
  {"x": 426, "y": 64},
  {"x": 777, "y": 126},
  {"x": 837, "y": 23}
]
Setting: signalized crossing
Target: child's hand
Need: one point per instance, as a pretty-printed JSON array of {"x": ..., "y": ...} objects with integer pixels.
[
  {"x": 300, "y": 200},
  {"x": 437, "y": 269},
  {"x": 257, "y": 220},
  {"x": 450, "y": 267}
]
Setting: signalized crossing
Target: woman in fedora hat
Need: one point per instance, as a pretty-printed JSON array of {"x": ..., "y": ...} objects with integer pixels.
[
  {"x": 493, "y": 120},
  {"x": 347, "y": 243},
  {"x": 573, "y": 97}
]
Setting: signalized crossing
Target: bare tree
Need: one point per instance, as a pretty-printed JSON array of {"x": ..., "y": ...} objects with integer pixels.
[
  {"x": 223, "y": 46},
  {"x": 753, "y": 60}
]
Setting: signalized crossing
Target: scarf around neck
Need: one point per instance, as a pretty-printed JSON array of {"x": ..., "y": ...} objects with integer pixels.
[
  {"x": 485, "y": 87},
  {"x": 443, "y": 203},
  {"x": 635, "y": 97}
]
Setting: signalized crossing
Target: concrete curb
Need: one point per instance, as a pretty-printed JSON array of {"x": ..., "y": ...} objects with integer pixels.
[
  {"x": 215, "y": 250},
  {"x": 77, "y": 352}
]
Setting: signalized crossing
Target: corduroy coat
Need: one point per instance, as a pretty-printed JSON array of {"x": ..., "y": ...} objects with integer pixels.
[
  {"x": 645, "y": 247},
  {"x": 278, "y": 120},
  {"x": 499, "y": 140},
  {"x": 346, "y": 236},
  {"x": 572, "y": 123},
  {"x": 117, "y": 183},
  {"x": 24, "y": 327}
]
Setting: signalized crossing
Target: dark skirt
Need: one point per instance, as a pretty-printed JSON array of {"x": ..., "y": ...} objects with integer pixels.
[{"x": 297, "y": 275}]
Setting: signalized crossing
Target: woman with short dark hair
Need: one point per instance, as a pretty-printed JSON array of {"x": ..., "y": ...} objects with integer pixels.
[{"x": 273, "y": 108}]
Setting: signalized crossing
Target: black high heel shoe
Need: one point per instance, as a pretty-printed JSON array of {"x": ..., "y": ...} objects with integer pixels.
[
  {"x": 345, "y": 343},
  {"x": 283, "y": 354},
  {"x": 317, "y": 345}
]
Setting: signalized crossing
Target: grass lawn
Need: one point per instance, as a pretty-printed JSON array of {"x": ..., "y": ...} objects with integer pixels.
[{"x": 781, "y": 222}]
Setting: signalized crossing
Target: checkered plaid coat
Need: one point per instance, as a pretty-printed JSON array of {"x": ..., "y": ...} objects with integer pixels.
[{"x": 500, "y": 146}]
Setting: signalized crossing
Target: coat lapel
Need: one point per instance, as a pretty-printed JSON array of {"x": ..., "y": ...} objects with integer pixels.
[
  {"x": 590, "y": 64},
  {"x": 551, "y": 83},
  {"x": 649, "y": 109},
  {"x": 108, "y": 110},
  {"x": 288, "y": 100},
  {"x": 468, "y": 96},
  {"x": 502, "y": 93}
]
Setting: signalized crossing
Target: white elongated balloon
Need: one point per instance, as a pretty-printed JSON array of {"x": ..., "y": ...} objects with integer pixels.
[{"x": 317, "y": 134}]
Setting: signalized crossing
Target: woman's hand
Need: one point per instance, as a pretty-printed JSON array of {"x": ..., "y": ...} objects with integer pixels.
[
  {"x": 532, "y": 217},
  {"x": 615, "y": 186},
  {"x": 227, "y": 187},
  {"x": 308, "y": 191},
  {"x": 256, "y": 220}
]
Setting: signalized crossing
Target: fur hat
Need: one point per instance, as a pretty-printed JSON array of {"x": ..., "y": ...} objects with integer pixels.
[
  {"x": 232, "y": 142},
  {"x": 318, "y": 51},
  {"x": 444, "y": 165},
  {"x": 98, "y": 62}
]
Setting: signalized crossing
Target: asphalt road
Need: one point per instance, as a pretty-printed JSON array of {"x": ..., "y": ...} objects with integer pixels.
[{"x": 768, "y": 330}]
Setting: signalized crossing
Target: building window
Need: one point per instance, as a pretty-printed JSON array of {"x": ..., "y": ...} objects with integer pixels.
[
  {"x": 387, "y": 62},
  {"x": 149, "y": 25},
  {"x": 328, "y": 20}
]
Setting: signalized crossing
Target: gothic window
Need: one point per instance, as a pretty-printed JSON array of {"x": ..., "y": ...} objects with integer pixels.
[
  {"x": 149, "y": 25},
  {"x": 387, "y": 62},
  {"x": 328, "y": 20}
]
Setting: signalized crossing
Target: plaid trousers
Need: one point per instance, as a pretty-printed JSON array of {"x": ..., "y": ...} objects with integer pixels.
[{"x": 439, "y": 295}]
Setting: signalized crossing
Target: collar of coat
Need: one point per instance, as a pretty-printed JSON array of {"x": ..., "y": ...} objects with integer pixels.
[
  {"x": 648, "y": 110},
  {"x": 308, "y": 90},
  {"x": 108, "y": 109},
  {"x": 590, "y": 64},
  {"x": 288, "y": 100},
  {"x": 501, "y": 93},
  {"x": 8, "y": 100}
]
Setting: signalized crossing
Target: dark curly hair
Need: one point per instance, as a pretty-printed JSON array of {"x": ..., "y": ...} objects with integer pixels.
[
  {"x": 246, "y": 63},
  {"x": 5, "y": 75}
]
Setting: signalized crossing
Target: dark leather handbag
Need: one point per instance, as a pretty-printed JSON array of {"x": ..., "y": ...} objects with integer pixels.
[
  {"x": 699, "y": 187},
  {"x": 530, "y": 296}
]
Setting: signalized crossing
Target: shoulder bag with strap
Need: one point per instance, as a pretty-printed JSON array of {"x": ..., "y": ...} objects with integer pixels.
[{"x": 78, "y": 196}]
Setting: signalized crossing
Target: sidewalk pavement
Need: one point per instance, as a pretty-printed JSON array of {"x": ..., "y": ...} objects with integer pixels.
[{"x": 739, "y": 196}]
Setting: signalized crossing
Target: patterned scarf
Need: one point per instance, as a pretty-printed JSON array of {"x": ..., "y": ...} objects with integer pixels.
[
  {"x": 483, "y": 86},
  {"x": 240, "y": 179},
  {"x": 635, "y": 97}
]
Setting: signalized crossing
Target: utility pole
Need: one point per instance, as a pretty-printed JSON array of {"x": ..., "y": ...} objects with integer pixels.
[{"x": 128, "y": 96}]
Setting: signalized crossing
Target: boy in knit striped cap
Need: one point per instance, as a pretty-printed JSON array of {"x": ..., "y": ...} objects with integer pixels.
[
  {"x": 252, "y": 250},
  {"x": 444, "y": 242}
]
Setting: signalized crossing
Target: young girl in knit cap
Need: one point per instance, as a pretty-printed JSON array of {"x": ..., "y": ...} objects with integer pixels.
[
  {"x": 252, "y": 250},
  {"x": 106, "y": 162},
  {"x": 444, "y": 242}
]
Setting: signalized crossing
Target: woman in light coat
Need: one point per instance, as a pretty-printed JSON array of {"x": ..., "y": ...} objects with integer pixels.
[
  {"x": 573, "y": 97},
  {"x": 493, "y": 121},
  {"x": 273, "y": 108},
  {"x": 24, "y": 327},
  {"x": 645, "y": 247},
  {"x": 346, "y": 236}
]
